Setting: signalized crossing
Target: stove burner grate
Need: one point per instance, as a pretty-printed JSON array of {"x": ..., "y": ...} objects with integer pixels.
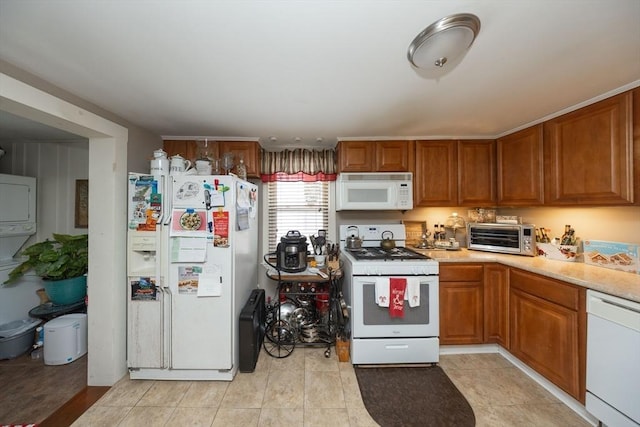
[{"x": 395, "y": 254}]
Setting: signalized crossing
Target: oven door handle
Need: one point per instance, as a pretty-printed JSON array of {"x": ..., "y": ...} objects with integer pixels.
[{"x": 396, "y": 346}]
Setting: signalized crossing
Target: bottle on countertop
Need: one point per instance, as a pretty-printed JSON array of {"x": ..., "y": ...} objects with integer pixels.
[
  {"x": 570, "y": 238},
  {"x": 544, "y": 237},
  {"x": 241, "y": 169},
  {"x": 565, "y": 236}
]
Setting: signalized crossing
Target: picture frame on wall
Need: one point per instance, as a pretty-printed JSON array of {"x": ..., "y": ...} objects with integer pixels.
[{"x": 82, "y": 203}]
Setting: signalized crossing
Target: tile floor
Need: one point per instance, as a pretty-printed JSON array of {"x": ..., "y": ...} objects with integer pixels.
[{"x": 307, "y": 389}]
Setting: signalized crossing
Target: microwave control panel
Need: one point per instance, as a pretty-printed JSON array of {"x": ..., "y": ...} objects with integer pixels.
[{"x": 404, "y": 197}]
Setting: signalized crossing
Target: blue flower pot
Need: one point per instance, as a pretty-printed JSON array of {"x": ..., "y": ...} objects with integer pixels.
[{"x": 66, "y": 291}]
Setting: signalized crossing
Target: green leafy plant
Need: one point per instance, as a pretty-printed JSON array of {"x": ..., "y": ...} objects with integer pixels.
[{"x": 64, "y": 257}]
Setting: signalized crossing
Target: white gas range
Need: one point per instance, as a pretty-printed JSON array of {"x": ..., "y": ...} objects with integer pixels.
[{"x": 385, "y": 330}]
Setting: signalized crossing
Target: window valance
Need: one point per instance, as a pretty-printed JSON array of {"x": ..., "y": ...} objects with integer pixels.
[{"x": 298, "y": 165}]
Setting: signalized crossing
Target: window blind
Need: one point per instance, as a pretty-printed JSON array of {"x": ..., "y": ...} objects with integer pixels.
[{"x": 301, "y": 206}]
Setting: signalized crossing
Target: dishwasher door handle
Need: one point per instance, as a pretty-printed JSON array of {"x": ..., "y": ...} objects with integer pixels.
[{"x": 623, "y": 312}]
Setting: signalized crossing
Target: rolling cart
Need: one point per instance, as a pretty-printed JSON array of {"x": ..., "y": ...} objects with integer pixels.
[{"x": 306, "y": 311}]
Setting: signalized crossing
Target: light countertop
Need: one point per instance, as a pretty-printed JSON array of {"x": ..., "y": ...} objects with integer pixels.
[{"x": 619, "y": 283}]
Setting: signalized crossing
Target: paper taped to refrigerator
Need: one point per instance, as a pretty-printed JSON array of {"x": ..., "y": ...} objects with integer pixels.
[
  {"x": 188, "y": 222},
  {"x": 188, "y": 249},
  {"x": 210, "y": 282}
]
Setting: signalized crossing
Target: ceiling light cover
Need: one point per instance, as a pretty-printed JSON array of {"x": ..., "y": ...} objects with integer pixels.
[{"x": 443, "y": 41}]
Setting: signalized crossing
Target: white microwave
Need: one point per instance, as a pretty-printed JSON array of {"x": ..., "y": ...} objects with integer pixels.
[{"x": 374, "y": 191}]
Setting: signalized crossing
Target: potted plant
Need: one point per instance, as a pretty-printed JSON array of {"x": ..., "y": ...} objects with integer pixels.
[{"x": 62, "y": 263}]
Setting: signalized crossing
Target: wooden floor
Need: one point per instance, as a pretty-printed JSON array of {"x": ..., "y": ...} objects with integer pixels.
[
  {"x": 71, "y": 411},
  {"x": 32, "y": 392}
]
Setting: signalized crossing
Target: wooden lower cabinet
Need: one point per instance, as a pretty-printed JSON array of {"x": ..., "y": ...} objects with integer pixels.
[
  {"x": 461, "y": 304},
  {"x": 496, "y": 304},
  {"x": 540, "y": 320},
  {"x": 547, "y": 320}
]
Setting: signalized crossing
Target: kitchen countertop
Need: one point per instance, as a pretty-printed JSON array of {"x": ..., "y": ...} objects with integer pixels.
[{"x": 619, "y": 283}]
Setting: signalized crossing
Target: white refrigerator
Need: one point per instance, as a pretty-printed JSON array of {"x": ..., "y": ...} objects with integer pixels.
[{"x": 192, "y": 264}]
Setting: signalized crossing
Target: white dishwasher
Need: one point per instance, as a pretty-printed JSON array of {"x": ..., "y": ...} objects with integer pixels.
[{"x": 613, "y": 360}]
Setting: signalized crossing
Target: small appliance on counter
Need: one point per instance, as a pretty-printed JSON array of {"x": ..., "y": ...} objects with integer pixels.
[
  {"x": 291, "y": 253},
  {"x": 516, "y": 239}
]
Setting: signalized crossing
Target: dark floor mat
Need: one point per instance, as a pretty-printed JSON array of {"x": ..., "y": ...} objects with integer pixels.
[{"x": 413, "y": 396}]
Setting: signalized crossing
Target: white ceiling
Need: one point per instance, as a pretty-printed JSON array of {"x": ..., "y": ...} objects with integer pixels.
[
  {"x": 15, "y": 128},
  {"x": 322, "y": 69}
]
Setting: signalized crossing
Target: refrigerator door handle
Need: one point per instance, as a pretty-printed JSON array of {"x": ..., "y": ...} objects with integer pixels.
[
  {"x": 166, "y": 186},
  {"x": 168, "y": 364}
]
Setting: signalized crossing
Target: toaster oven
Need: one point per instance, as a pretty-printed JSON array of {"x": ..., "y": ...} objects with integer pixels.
[{"x": 516, "y": 239}]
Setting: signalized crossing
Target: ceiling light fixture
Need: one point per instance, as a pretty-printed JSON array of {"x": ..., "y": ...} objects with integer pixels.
[{"x": 443, "y": 41}]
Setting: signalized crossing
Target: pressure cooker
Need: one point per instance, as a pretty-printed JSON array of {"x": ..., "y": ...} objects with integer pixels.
[{"x": 291, "y": 252}]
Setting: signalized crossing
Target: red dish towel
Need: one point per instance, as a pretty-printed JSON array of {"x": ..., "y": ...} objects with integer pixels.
[{"x": 397, "y": 288}]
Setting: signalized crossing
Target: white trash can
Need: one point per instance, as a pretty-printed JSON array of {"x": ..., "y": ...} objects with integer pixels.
[{"x": 65, "y": 339}]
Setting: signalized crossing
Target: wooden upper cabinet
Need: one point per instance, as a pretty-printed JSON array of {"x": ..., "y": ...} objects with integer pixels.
[
  {"x": 588, "y": 154},
  {"x": 356, "y": 156},
  {"x": 186, "y": 148},
  {"x": 519, "y": 168},
  {"x": 394, "y": 156},
  {"x": 435, "y": 182},
  {"x": 376, "y": 156},
  {"x": 477, "y": 173},
  {"x": 249, "y": 151}
]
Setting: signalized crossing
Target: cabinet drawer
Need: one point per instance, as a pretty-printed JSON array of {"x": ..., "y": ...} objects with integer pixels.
[
  {"x": 461, "y": 273},
  {"x": 548, "y": 289},
  {"x": 395, "y": 350}
]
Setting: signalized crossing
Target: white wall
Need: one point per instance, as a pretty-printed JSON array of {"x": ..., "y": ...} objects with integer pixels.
[
  {"x": 619, "y": 224},
  {"x": 108, "y": 155}
]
